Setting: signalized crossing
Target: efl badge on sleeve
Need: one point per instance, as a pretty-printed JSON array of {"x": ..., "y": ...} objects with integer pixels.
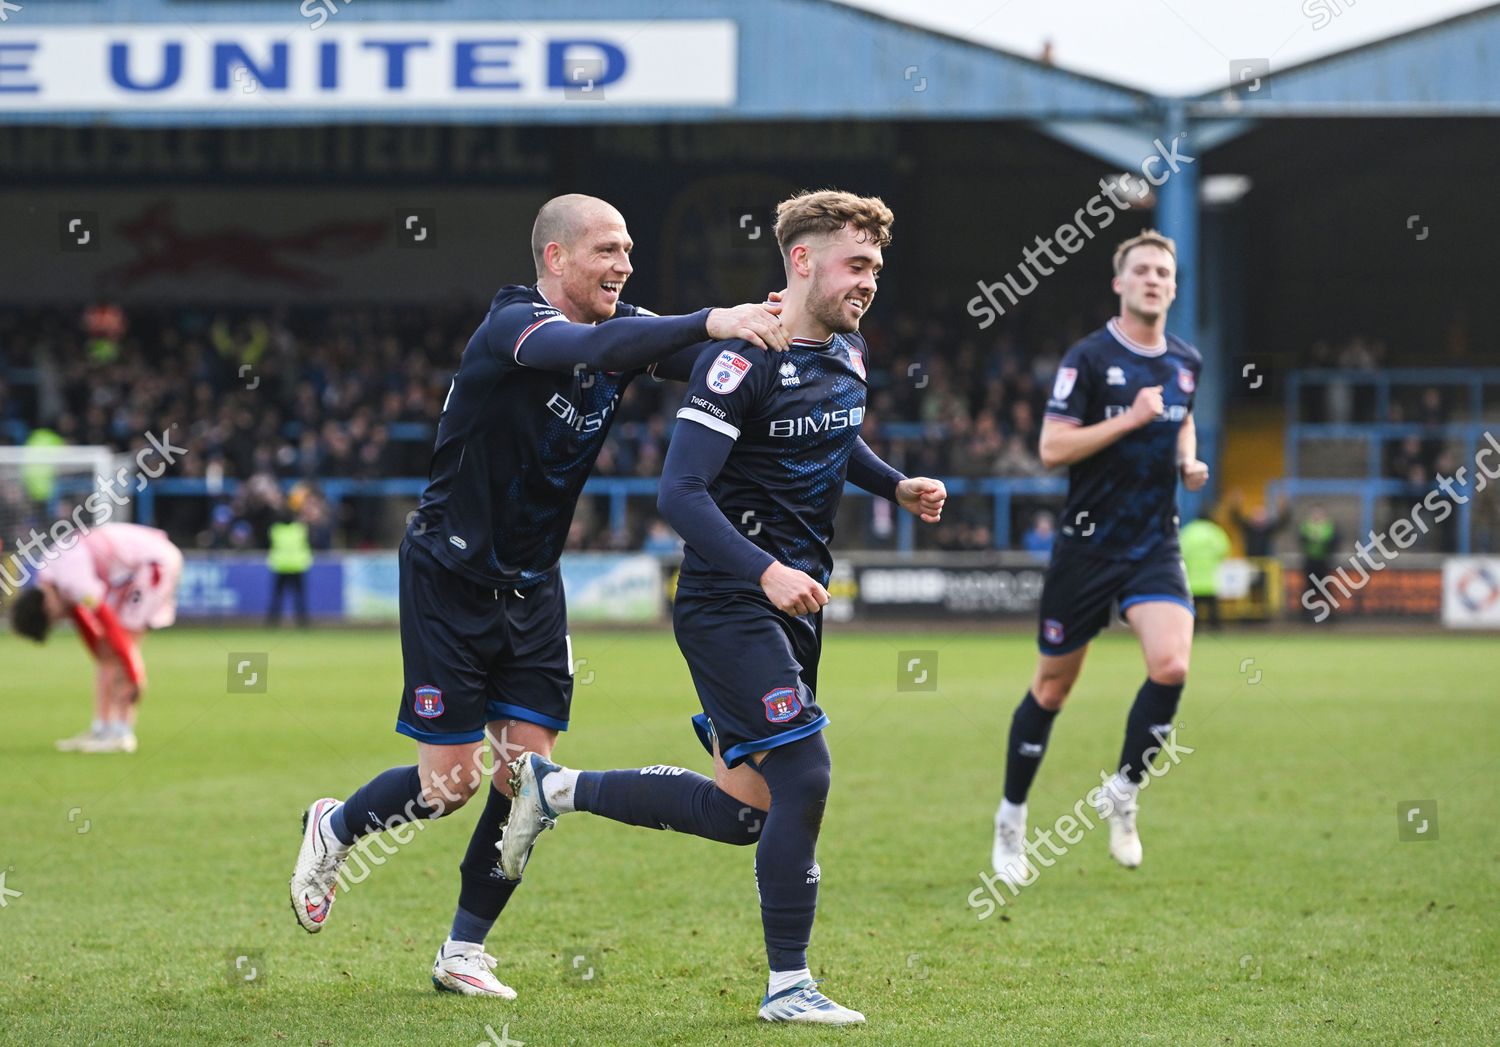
[
  {"x": 1185, "y": 380},
  {"x": 728, "y": 372},
  {"x": 782, "y": 704},
  {"x": 1067, "y": 377},
  {"x": 1052, "y": 631},
  {"x": 428, "y": 701}
]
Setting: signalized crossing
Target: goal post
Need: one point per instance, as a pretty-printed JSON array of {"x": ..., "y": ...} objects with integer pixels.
[{"x": 47, "y": 494}]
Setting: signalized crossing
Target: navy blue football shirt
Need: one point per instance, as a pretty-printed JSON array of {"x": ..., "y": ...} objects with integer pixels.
[
  {"x": 1122, "y": 501},
  {"x": 795, "y": 419},
  {"x": 520, "y": 432}
]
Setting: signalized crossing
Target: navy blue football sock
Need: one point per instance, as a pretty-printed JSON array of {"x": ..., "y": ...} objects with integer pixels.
[
  {"x": 390, "y": 798},
  {"x": 663, "y": 797},
  {"x": 1149, "y": 722},
  {"x": 483, "y": 891},
  {"x": 1029, "y": 729},
  {"x": 786, "y": 864}
]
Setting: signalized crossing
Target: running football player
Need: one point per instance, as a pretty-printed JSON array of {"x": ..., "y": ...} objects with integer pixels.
[
  {"x": 115, "y": 582},
  {"x": 752, "y": 481},
  {"x": 484, "y": 635},
  {"x": 1120, "y": 417}
]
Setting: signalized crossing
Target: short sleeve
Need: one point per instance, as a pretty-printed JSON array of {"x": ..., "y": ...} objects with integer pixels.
[
  {"x": 1072, "y": 388},
  {"x": 725, "y": 389}
]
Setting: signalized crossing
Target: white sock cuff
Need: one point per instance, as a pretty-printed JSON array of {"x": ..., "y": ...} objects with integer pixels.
[
  {"x": 559, "y": 788},
  {"x": 781, "y": 981}
]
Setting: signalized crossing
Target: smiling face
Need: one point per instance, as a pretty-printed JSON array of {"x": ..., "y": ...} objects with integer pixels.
[
  {"x": 843, "y": 269},
  {"x": 596, "y": 266},
  {"x": 1147, "y": 283},
  {"x": 583, "y": 251}
]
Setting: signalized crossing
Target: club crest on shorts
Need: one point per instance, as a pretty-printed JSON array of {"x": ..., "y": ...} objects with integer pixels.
[
  {"x": 728, "y": 372},
  {"x": 427, "y": 701},
  {"x": 782, "y": 704},
  {"x": 1185, "y": 380},
  {"x": 1052, "y": 631},
  {"x": 1067, "y": 377}
]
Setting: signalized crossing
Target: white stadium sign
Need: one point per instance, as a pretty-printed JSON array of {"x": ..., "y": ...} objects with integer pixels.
[
  {"x": 1471, "y": 592},
  {"x": 380, "y": 65}
]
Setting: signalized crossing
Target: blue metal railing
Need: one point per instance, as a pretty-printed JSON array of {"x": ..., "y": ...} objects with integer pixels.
[
  {"x": 618, "y": 490},
  {"x": 1472, "y": 436}
]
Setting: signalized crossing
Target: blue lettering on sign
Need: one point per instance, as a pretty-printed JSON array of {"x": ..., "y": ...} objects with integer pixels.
[
  {"x": 473, "y": 55},
  {"x": 395, "y": 50},
  {"x": 119, "y": 68},
  {"x": 486, "y": 64},
  {"x": 560, "y": 53},
  {"x": 229, "y": 56},
  {"x": 6, "y": 84}
]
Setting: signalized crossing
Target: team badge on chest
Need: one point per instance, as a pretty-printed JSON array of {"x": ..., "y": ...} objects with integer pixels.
[
  {"x": 728, "y": 372},
  {"x": 1185, "y": 380}
]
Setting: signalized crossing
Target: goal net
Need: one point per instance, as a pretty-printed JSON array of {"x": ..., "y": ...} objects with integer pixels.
[{"x": 48, "y": 494}]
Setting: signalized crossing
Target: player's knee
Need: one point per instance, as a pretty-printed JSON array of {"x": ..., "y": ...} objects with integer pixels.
[
  {"x": 1171, "y": 670},
  {"x": 800, "y": 776},
  {"x": 446, "y": 793},
  {"x": 1051, "y": 692}
]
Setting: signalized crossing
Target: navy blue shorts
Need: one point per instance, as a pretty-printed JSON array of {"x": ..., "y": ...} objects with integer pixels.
[
  {"x": 472, "y": 654},
  {"x": 755, "y": 669},
  {"x": 1081, "y": 590}
]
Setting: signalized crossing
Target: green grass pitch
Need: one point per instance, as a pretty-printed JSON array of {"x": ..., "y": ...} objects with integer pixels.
[{"x": 1277, "y": 902}]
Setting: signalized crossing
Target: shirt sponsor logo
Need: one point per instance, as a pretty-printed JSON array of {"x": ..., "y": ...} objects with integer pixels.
[
  {"x": 1067, "y": 377},
  {"x": 832, "y": 421},
  {"x": 592, "y": 422},
  {"x": 427, "y": 702},
  {"x": 1171, "y": 413},
  {"x": 728, "y": 372}
]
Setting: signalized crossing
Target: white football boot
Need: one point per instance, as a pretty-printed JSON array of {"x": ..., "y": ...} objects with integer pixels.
[
  {"x": 1009, "y": 854},
  {"x": 465, "y": 968},
  {"x": 116, "y": 738},
  {"x": 530, "y": 815},
  {"x": 318, "y": 862},
  {"x": 804, "y": 1003},
  {"x": 77, "y": 742},
  {"x": 1117, "y": 806}
]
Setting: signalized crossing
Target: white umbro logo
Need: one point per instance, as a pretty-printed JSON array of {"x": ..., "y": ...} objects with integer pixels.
[
  {"x": 1030, "y": 749},
  {"x": 1114, "y": 376},
  {"x": 458, "y": 542},
  {"x": 789, "y": 376}
]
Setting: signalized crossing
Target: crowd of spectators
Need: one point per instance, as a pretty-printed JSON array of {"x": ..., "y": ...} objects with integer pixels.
[{"x": 316, "y": 397}]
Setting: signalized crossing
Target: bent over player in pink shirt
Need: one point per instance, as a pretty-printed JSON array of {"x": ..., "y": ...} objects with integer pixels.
[{"x": 116, "y": 582}]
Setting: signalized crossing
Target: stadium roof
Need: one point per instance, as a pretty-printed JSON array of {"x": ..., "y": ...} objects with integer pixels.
[
  {"x": 731, "y": 61},
  {"x": 785, "y": 59},
  {"x": 1443, "y": 69}
]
